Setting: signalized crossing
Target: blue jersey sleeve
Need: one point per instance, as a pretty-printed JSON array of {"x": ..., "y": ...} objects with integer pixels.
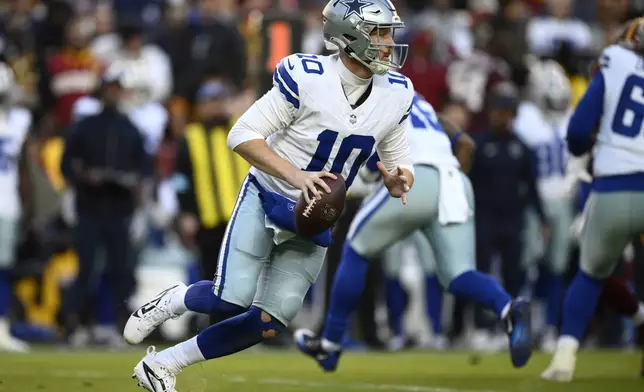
[{"x": 586, "y": 117}]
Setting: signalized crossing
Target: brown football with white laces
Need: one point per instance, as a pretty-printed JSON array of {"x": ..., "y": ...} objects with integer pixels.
[{"x": 317, "y": 216}]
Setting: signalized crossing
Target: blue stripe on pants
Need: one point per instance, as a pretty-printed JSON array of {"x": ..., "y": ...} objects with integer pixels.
[{"x": 223, "y": 255}]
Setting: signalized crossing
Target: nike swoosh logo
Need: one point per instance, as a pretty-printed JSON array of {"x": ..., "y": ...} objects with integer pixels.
[
  {"x": 290, "y": 66},
  {"x": 153, "y": 303}
]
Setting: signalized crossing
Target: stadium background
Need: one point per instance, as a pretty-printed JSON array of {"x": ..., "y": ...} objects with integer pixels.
[{"x": 241, "y": 51}]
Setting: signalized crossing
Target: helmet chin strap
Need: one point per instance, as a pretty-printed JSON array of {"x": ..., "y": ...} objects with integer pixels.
[{"x": 374, "y": 66}]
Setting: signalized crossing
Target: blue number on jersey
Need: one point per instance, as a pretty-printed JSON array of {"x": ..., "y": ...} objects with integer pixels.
[
  {"x": 550, "y": 159},
  {"x": 6, "y": 159},
  {"x": 353, "y": 142},
  {"x": 395, "y": 77},
  {"x": 311, "y": 59},
  {"x": 427, "y": 118},
  {"x": 629, "y": 113}
]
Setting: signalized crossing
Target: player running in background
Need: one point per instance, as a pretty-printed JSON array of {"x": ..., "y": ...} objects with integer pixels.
[
  {"x": 441, "y": 205},
  {"x": 324, "y": 114},
  {"x": 15, "y": 123},
  {"x": 607, "y": 120},
  {"x": 541, "y": 124}
]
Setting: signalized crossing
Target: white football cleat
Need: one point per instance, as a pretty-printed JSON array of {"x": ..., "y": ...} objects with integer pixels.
[
  {"x": 149, "y": 316},
  {"x": 153, "y": 376},
  {"x": 562, "y": 367},
  {"x": 8, "y": 343}
]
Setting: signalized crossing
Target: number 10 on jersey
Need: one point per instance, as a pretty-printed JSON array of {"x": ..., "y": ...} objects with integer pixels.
[{"x": 327, "y": 139}]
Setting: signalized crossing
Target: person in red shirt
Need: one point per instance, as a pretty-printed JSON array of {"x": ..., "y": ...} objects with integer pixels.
[
  {"x": 472, "y": 79},
  {"x": 428, "y": 75},
  {"x": 74, "y": 73}
]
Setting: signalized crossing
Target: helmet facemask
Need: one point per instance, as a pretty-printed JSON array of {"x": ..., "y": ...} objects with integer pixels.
[{"x": 375, "y": 58}]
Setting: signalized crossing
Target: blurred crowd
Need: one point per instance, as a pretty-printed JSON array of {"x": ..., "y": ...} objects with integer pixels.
[{"x": 184, "y": 70}]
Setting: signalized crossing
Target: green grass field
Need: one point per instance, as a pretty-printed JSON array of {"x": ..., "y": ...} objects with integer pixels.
[{"x": 271, "y": 371}]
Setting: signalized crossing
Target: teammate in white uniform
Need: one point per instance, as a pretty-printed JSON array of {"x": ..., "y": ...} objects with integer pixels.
[
  {"x": 441, "y": 206},
  {"x": 324, "y": 114},
  {"x": 14, "y": 127},
  {"x": 612, "y": 109},
  {"x": 541, "y": 124}
]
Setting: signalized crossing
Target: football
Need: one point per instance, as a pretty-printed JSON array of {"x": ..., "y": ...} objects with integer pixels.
[{"x": 319, "y": 215}]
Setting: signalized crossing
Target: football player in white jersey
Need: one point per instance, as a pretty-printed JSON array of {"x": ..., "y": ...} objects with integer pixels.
[
  {"x": 14, "y": 127},
  {"x": 441, "y": 206},
  {"x": 324, "y": 115},
  {"x": 609, "y": 120},
  {"x": 541, "y": 124}
]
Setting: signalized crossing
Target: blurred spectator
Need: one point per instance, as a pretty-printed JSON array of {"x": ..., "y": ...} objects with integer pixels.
[
  {"x": 74, "y": 73},
  {"x": 128, "y": 45},
  {"x": 451, "y": 29},
  {"x": 428, "y": 75},
  {"x": 150, "y": 12},
  {"x": 504, "y": 185},
  {"x": 610, "y": 16},
  {"x": 512, "y": 24},
  {"x": 105, "y": 162},
  {"x": 209, "y": 41},
  {"x": 313, "y": 41},
  {"x": 545, "y": 33},
  {"x": 210, "y": 45},
  {"x": 470, "y": 80},
  {"x": 151, "y": 120},
  {"x": 208, "y": 176},
  {"x": 19, "y": 50}
]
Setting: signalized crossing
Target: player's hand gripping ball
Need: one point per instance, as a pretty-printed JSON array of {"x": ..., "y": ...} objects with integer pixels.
[{"x": 316, "y": 216}]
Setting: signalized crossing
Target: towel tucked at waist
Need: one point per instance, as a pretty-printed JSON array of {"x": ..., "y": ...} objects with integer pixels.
[{"x": 453, "y": 206}]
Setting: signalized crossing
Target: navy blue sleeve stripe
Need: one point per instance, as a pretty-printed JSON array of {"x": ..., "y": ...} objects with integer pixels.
[
  {"x": 289, "y": 97},
  {"x": 406, "y": 114},
  {"x": 371, "y": 162},
  {"x": 288, "y": 79},
  {"x": 586, "y": 117}
]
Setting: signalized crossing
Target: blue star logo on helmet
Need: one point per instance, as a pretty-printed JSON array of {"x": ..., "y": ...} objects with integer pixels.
[{"x": 355, "y": 7}]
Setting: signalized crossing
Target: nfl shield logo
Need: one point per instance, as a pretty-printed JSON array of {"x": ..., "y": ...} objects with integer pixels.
[{"x": 352, "y": 119}]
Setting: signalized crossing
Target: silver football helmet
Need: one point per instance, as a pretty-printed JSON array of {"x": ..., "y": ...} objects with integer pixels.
[
  {"x": 549, "y": 87},
  {"x": 364, "y": 30}
]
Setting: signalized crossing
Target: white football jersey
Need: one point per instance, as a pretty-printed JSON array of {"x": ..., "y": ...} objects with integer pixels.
[
  {"x": 620, "y": 143},
  {"x": 150, "y": 118},
  {"x": 14, "y": 127},
  {"x": 307, "y": 120},
  {"x": 547, "y": 140},
  {"x": 428, "y": 142}
]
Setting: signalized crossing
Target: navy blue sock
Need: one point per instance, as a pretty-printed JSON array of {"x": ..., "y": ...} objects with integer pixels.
[
  {"x": 346, "y": 291},
  {"x": 555, "y": 299},
  {"x": 201, "y": 298},
  {"x": 482, "y": 289},
  {"x": 396, "y": 304},
  {"x": 541, "y": 284},
  {"x": 5, "y": 291},
  {"x": 106, "y": 314},
  {"x": 434, "y": 303},
  {"x": 579, "y": 305},
  {"x": 237, "y": 333}
]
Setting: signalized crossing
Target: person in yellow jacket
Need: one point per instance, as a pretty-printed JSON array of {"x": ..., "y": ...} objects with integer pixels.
[{"x": 208, "y": 176}]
